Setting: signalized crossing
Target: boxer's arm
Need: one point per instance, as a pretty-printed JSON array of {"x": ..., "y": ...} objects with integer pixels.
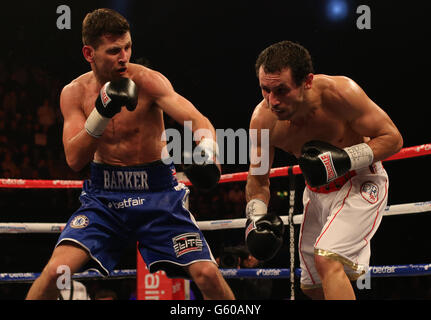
[
  {"x": 79, "y": 146},
  {"x": 176, "y": 106},
  {"x": 366, "y": 118},
  {"x": 263, "y": 230},
  {"x": 257, "y": 186}
]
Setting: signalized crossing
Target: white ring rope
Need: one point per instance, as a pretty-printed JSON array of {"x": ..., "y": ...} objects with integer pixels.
[{"x": 30, "y": 227}]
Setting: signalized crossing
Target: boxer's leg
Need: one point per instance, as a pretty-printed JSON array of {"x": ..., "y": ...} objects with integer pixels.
[
  {"x": 65, "y": 254},
  {"x": 210, "y": 281},
  {"x": 335, "y": 283},
  {"x": 311, "y": 227},
  {"x": 344, "y": 244},
  {"x": 335, "y": 234}
]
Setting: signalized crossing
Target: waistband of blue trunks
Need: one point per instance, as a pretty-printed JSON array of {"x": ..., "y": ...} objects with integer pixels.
[{"x": 146, "y": 177}]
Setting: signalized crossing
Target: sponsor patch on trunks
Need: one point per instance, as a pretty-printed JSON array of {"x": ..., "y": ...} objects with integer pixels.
[
  {"x": 187, "y": 242},
  {"x": 370, "y": 192}
]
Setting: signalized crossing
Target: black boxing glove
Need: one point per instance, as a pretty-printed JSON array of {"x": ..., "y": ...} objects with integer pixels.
[
  {"x": 112, "y": 97},
  {"x": 263, "y": 231},
  {"x": 321, "y": 162},
  {"x": 200, "y": 167}
]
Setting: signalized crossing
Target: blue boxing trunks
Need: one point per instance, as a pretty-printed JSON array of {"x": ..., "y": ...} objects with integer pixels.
[{"x": 144, "y": 204}]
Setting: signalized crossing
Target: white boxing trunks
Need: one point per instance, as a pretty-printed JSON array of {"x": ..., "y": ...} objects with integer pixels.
[{"x": 339, "y": 221}]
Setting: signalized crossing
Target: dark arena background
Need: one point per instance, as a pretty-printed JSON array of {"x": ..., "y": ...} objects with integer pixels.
[{"x": 207, "y": 49}]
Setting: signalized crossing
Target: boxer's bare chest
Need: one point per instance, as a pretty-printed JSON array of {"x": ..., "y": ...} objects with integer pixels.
[
  {"x": 125, "y": 122},
  {"x": 131, "y": 137},
  {"x": 320, "y": 125}
]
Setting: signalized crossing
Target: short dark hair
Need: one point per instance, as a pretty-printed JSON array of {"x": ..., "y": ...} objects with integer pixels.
[
  {"x": 286, "y": 54},
  {"x": 102, "y": 21}
]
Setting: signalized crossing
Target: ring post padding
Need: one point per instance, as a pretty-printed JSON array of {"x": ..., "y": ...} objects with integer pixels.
[{"x": 291, "y": 179}]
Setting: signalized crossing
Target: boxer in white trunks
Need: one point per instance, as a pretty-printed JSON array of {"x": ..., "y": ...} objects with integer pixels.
[{"x": 340, "y": 136}]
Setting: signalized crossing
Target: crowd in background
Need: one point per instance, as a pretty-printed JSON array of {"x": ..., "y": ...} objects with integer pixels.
[{"x": 30, "y": 123}]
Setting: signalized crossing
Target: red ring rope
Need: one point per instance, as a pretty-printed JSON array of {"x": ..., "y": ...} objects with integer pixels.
[{"x": 409, "y": 152}]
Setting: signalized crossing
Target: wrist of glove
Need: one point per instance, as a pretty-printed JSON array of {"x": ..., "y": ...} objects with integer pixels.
[
  {"x": 263, "y": 231},
  {"x": 200, "y": 167},
  {"x": 360, "y": 155},
  {"x": 96, "y": 124},
  {"x": 322, "y": 162},
  {"x": 255, "y": 209}
]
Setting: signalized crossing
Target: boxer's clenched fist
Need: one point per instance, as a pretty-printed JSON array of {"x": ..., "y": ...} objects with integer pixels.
[
  {"x": 321, "y": 162},
  {"x": 112, "y": 97},
  {"x": 204, "y": 173}
]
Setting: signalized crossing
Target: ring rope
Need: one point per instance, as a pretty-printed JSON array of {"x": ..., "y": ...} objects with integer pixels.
[
  {"x": 375, "y": 271},
  {"x": 211, "y": 225},
  {"x": 409, "y": 152},
  {"x": 272, "y": 273},
  {"x": 31, "y": 276}
]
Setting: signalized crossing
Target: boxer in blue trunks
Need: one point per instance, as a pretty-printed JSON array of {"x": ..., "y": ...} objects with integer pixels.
[{"x": 113, "y": 119}]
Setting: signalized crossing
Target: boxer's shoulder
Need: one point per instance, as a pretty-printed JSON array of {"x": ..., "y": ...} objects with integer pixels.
[
  {"x": 77, "y": 90},
  {"x": 150, "y": 81},
  {"x": 262, "y": 117},
  {"x": 84, "y": 79},
  {"x": 79, "y": 85},
  {"x": 342, "y": 98},
  {"x": 333, "y": 87}
]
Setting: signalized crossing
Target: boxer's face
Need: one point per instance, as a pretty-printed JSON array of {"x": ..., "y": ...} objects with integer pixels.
[
  {"x": 111, "y": 58},
  {"x": 281, "y": 93}
]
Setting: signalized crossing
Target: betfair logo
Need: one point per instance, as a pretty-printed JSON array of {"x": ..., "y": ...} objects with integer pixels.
[{"x": 126, "y": 203}]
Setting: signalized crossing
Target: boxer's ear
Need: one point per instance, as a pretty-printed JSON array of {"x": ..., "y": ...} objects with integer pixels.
[
  {"x": 308, "y": 81},
  {"x": 88, "y": 52}
]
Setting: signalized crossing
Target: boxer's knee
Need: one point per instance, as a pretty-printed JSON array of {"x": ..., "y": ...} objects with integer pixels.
[
  {"x": 53, "y": 270},
  {"x": 208, "y": 278},
  {"x": 327, "y": 267},
  {"x": 204, "y": 273},
  {"x": 65, "y": 260}
]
